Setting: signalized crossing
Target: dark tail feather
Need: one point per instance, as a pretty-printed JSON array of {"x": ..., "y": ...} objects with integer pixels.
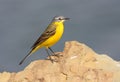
[{"x": 25, "y": 58}]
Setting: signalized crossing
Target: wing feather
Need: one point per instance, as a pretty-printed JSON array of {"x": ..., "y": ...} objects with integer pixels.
[{"x": 50, "y": 31}]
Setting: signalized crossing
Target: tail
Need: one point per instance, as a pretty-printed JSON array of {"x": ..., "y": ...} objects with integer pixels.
[
  {"x": 25, "y": 57},
  {"x": 32, "y": 51}
]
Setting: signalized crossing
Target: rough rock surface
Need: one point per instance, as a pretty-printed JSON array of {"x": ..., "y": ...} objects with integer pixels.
[{"x": 77, "y": 63}]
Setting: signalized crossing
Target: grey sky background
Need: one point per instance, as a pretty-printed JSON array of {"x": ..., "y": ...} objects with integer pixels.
[{"x": 93, "y": 22}]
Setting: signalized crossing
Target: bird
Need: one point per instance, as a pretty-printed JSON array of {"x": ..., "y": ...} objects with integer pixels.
[{"x": 49, "y": 37}]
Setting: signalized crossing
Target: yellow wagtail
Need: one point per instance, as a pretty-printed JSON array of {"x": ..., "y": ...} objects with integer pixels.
[{"x": 49, "y": 37}]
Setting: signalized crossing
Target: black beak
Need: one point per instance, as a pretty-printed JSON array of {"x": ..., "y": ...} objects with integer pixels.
[{"x": 67, "y": 18}]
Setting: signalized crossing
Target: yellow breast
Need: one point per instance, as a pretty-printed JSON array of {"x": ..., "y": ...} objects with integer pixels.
[{"x": 56, "y": 37}]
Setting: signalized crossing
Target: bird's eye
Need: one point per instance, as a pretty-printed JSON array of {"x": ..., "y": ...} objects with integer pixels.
[{"x": 59, "y": 19}]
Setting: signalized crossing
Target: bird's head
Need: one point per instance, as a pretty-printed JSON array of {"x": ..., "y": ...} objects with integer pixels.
[{"x": 60, "y": 19}]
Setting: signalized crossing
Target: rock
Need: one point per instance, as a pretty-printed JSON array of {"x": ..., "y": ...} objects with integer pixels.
[
  {"x": 77, "y": 63},
  {"x": 4, "y": 77}
]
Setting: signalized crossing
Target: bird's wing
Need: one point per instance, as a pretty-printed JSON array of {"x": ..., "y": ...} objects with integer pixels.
[{"x": 50, "y": 31}]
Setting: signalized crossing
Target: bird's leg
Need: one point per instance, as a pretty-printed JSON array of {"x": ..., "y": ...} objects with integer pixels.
[
  {"x": 49, "y": 55},
  {"x": 51, "y": 51}
]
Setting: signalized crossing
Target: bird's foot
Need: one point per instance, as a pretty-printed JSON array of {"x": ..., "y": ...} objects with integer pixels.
[
  {"x": 58, "y": 54},
  {"x": 52, "y": 60}
]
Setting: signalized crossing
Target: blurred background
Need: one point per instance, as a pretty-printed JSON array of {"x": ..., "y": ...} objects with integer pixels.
[{"x": 93, "y": 22}]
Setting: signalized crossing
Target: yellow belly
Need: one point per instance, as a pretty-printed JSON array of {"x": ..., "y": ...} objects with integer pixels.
[{"x": 55, "y": 38}]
